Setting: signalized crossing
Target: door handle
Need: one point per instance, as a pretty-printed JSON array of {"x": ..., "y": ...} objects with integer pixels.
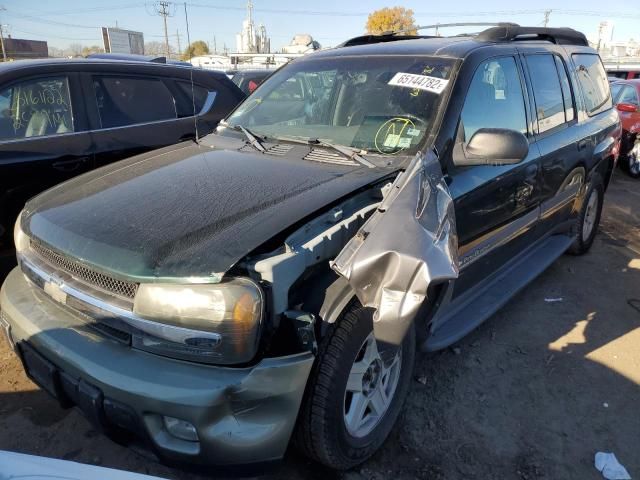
[
  {"x": 69, "y": 165},
  {"x": 582, "y": 144}
]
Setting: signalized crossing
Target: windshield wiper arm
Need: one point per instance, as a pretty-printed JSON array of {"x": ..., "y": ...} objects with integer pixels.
[
  {"x": 253, "y": 140},
  {"x": 349, "y": 152}
]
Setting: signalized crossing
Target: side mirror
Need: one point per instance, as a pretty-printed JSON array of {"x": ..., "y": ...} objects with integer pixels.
[
  {"x": 627, "y": 107},
  {"x": 494, "y": 146}
]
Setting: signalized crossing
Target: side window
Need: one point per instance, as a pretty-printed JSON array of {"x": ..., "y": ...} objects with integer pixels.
[
  {"x": 547, "y": 91},
  {"x": 615, "y": 91},
  {"x": 128, "y": 101},
  {"x": 495, "y": 98},
  {"x": 185, "y": 103},
  {"x": 35, "y": 108},
  {"x": 569, "y": 111},
  {"x": 593, "y": 82},
  {"x": 628, "y": 95}
]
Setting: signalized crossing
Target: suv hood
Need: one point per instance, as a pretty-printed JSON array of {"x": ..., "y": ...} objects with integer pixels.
[{"x": 184, "y": 211}]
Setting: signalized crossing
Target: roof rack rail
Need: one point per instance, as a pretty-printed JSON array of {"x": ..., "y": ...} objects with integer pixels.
[
  {"x": 379, "y": 38},
  {"x": 514, "y": 32},
  {"x": 500, "y": 32}
]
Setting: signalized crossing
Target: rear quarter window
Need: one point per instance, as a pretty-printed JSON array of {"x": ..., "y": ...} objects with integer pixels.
[{"x": 593, "y": 82}]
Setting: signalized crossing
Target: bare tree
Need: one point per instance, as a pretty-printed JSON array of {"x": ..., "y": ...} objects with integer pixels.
[
  {"x": 154, "y": 48},
  {"x": 56, "y": 52},
  {"x": 75, "y": 49}
]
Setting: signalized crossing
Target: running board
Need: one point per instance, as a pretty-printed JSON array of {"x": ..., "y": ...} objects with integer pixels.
[{"x": 467, "y": 313}]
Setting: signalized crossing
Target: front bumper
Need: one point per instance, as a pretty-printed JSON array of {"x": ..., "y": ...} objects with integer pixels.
[{"x": 243, "y": 416}]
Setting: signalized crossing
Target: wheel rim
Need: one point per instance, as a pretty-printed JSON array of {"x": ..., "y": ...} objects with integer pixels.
[
  {"x": 370, "y": 388},
  {"x": 589, "y": 221}
]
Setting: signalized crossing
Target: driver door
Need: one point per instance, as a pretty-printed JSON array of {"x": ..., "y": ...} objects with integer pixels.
[{"x": 496, "y": 206}]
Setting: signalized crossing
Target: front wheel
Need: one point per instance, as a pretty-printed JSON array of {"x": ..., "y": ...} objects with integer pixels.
[{"x": 355, "y": 392}]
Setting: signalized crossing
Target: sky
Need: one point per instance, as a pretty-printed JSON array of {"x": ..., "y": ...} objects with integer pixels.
[{"x": 63, "y": 22}]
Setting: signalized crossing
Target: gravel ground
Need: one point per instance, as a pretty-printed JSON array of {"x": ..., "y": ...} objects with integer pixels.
[{"x": 533, "y": 393}]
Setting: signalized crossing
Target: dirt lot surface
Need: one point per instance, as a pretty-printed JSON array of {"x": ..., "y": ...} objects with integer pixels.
[{"x": 533, "y": 393}]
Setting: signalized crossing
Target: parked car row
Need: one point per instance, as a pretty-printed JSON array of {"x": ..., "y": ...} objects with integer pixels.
[
  {"x": 272, "y": 282},
  {"x": 626, "y": 96},
  {"x": 61, "y": 118}
]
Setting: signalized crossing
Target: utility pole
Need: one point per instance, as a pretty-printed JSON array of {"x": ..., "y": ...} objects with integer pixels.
[
  {"x": 186, "y": 20},
  {"x": 4, "y": 52},
  {"x": 162, "y": 9},
  {"x": 178, "y": 37},
  {"x": 600, "y": 29},
  {"x": 547, "y": 13},
  {"x": 215, "y": 46}
]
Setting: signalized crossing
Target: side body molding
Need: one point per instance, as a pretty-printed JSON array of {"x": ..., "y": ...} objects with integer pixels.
[{"x": 408, "y": 243}]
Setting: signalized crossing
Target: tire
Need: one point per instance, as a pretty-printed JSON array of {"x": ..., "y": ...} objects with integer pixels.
[
  {"x": 589, "y": 214},
  {"x": 323, "y": 432},
  {"x": 632, "y": 161}
]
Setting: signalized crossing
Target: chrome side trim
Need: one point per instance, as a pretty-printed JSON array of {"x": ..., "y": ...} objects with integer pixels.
[
  {"x": 482, "y": 246},
  {"x": 104, "y": 311}
]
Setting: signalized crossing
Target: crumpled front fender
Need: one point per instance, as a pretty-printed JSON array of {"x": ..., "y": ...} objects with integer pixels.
[{"x": 409, "y": 243}]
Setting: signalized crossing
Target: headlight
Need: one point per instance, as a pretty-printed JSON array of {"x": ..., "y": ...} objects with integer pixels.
[
  {"x": 228, "y": 315},
  {"x": 20, "y": 240}
]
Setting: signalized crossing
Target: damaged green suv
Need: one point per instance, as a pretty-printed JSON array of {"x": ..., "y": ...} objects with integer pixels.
[{"x": 272, "y": 281}]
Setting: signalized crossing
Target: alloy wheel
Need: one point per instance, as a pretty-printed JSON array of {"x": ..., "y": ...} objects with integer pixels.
[{"x": 370, "y": 388}]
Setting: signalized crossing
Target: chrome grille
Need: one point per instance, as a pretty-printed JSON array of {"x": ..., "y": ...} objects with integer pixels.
[{"x": 81, "y": 272}]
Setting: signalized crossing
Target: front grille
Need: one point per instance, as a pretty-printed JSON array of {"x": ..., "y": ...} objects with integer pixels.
[{"x": 81, "y": 272}]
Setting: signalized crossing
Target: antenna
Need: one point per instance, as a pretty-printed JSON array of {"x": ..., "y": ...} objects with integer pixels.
[{"x": 193, "y": 94}]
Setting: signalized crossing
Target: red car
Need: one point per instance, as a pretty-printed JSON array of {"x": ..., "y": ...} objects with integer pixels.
[{"x": 626, "y": 97}]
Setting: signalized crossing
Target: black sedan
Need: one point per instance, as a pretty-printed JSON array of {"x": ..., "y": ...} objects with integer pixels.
[{"x": 61, "y": 118}]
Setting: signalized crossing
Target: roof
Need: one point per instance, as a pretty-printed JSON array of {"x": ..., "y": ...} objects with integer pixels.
[
  {"x": 6, "y": 67},
  {"x": 630, "y": 81},
  {"x": 457, "y": 47}
]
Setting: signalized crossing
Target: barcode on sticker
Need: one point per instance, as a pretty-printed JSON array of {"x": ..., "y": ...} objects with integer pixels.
[{"x": 421, "y": 82}]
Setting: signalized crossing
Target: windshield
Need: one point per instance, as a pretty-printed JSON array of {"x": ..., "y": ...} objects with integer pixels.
[{"x": 384, "y": 105}]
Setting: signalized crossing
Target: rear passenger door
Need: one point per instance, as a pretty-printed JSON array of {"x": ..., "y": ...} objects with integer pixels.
[
  {"x": 133, "y": 114},
  {"x": 562, "y": 149},
  {"x": 496, "y": 206}
]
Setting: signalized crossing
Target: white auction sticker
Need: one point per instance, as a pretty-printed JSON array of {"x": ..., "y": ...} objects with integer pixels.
[{"x": 421, "y": 82}]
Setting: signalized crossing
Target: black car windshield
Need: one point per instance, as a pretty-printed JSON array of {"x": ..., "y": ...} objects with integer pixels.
[{"x": 379, "y": 104}]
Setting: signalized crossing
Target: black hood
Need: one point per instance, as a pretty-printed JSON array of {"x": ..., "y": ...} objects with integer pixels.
[{"x": 186, "y": 210}]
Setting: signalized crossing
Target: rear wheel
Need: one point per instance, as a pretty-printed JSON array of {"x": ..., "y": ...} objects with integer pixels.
[
  {"x": 588, "y": 218},
  {"x": 355, "y": 392},
  {"x": 633, "y": 161}
]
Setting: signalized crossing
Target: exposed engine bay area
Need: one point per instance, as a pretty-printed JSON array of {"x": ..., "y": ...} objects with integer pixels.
[{"x": 315, "y": 243}]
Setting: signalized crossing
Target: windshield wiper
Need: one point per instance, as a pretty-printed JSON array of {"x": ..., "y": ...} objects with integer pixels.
[
  {"x": 349, "y": 152},
  {"x": 253, "y": 139}
]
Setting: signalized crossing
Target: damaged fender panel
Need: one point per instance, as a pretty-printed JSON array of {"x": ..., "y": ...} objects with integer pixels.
[{"x": 409, "y": 243}]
